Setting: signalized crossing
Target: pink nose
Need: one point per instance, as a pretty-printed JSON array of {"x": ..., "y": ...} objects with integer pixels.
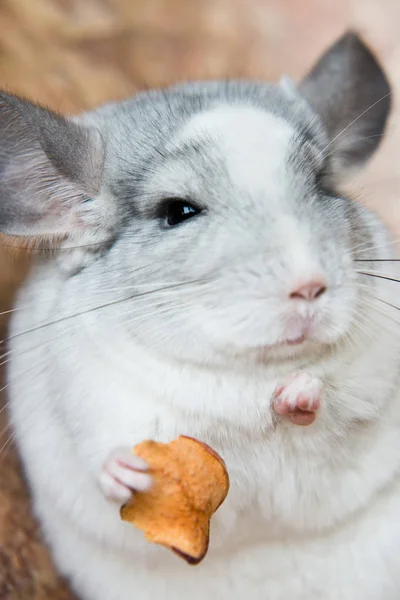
[{"x": 309, "y": 291}]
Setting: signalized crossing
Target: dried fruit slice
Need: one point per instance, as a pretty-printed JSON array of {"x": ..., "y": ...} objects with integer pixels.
[{"x": 190, "y": 482}]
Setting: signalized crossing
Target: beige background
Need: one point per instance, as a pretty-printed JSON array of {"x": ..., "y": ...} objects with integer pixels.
[{"x": 74, "y": 54}]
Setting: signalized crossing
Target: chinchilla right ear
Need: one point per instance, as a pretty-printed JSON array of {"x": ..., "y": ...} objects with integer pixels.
[
  {"x": 350, "y": 93},
  {"x": 51, "y": 172}
]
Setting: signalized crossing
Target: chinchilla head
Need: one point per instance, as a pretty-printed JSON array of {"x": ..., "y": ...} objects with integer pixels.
[{"x": 213, "y": 209}]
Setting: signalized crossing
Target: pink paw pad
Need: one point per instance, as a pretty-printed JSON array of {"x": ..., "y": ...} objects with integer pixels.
[{"x": 298, "y": 398}]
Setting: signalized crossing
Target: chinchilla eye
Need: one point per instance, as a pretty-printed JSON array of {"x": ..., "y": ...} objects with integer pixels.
[{"x": 175, "y": 211}]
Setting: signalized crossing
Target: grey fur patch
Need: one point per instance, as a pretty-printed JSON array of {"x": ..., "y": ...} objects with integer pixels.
[
  {"x": 49, "y": 168},
  {"x": 350, "y": 92}
]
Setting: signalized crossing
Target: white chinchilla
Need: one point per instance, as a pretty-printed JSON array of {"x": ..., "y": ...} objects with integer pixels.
[{"x": 212, "y": 281}]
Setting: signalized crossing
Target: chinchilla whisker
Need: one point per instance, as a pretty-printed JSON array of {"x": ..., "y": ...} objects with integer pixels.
[
  {"x": 381, "y": 308},
  {"x": 8, "y": 441},
  {"x": 167, "y": 285},
  {"x": 13, "y": 352},
  {"x": 386, "y": 302},
  {"x": 35, "y": 245},
  {"x": 99, "y": 307},
  {"x": 373, "y": 302},
  {"x": 136, "y": 287},
  {"x": 360, "y": 325},
  {"x": 372, "y": 272},
  {"x": 10, "y": 310},
  {"x": 170, "y": 335},
  {"x": 358, "y": 139},
  {"x": 377, "y": 260},
  {"x": 364, "y": 247},
  {"x": 159, "y": 302},
  {"x": 166, "y": 338},
  {"x": 381, "y": 319},
  {"x": 379, "y": 276},
  {"x": 8, "y": 426},
  {"x": 12, "y": 436},
  {"x": 353, "y": 334},
  {"x": 370, "y": 248},
  {"x": 163, "y": 304},
  {"x": 39, "y": 364},
  {"x": 3, "y": 408},
  {"x": 21, "y": 426},
  {"x": 336, "y": 137},
  {"x": 377, "y": 304},
  {"x": 5, "y": 354},
  {"x": 160, "y": 310}
]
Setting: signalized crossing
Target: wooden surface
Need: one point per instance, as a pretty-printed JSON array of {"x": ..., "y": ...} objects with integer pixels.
[{"x": 74, "y": 54}]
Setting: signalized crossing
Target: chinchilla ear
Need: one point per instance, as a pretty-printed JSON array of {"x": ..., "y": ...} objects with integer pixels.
[
  {"x": 349, "y": 91},
  {"x": 50, "y": 174}
]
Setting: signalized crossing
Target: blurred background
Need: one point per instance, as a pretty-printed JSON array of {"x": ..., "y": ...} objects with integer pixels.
[{"x": 74, "y": 54}]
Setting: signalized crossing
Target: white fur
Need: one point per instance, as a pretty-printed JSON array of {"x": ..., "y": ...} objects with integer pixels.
[
  {"x": 312, "y": 511},
  {"x": 300, "y": 502},
  {"x": 253, "y": 143}
]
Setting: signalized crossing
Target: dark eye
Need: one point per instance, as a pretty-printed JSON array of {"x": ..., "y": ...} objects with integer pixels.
[{"x": 177, "y": 211}]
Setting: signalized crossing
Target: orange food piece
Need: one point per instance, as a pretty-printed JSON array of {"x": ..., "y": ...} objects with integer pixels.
[{"x": 190, "y": 482}]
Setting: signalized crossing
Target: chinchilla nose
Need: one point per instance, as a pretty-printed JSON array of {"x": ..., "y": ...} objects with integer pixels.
[{"x": 309, "y": 290}]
